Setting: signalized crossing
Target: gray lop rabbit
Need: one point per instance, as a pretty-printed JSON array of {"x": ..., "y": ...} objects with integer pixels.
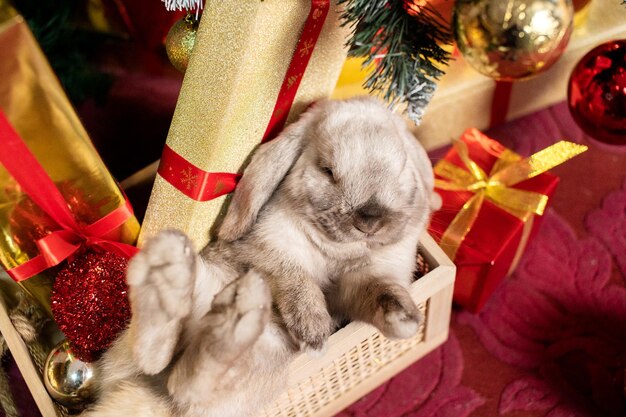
[{"x": 323, "y": 228}]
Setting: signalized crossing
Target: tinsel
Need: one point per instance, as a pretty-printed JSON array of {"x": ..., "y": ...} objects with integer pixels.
[
  {"x": 90, "y": 302},
  {"x": 406, "y": 49},
  {"x": 189, "y": 5}
]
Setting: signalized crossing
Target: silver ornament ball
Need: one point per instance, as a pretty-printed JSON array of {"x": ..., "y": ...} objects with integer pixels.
[{"x": 69, "y": 381}]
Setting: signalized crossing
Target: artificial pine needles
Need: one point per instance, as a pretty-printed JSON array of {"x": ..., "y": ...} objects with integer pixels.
[{"x": 404, "y": 44}]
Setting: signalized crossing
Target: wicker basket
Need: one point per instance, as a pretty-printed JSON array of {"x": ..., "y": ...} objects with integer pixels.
[{"x": 358, "y": 358}]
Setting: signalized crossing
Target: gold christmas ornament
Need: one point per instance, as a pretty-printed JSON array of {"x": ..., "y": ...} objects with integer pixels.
[
  {"x": 512, "y": 39},
  {"x": 180, "y": 41}
]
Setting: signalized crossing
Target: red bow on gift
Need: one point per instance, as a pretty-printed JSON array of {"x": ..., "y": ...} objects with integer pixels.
[{"x": 60, "y": 244}]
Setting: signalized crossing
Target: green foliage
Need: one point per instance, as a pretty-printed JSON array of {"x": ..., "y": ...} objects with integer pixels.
[
  {"x": 405, "y": 48},
  {"x": 66, "y": 45}
]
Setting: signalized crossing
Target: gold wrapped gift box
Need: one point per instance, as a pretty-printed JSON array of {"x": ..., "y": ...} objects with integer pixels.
[
  {"x": 242, "y": 53},
  {"x": 35, "y": 104}
]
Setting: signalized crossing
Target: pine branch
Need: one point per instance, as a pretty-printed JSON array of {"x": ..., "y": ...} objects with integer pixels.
[{"x": 405, "y": 49}]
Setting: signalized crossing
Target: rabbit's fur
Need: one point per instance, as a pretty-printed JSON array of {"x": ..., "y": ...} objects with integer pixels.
[{"x": 324, "y": 223}]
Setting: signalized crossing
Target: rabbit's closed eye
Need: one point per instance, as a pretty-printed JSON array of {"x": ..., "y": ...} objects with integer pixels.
[{"x": 328, "y": 172}]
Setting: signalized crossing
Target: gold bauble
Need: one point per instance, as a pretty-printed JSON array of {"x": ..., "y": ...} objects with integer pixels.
[
  {"x": 512, "y": 39},
  {"x": 180, "y": 41}
]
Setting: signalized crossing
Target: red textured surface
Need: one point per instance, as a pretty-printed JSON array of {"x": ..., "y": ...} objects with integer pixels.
[{"x": 90, "y": 302}]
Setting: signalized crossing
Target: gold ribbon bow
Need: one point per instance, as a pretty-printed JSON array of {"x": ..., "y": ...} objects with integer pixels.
[{"x": 509, "y": 169}]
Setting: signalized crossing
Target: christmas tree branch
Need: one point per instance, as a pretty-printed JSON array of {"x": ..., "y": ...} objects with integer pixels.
[{"x": 404, "y": 44}]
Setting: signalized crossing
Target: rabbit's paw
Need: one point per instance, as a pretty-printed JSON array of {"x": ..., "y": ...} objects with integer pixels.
[
  {"x": 239, "y": 315},
  {"x": 311, "y": 326},
  {"x": 161, "y": 277},
  {"x": 397, "y": 316}
]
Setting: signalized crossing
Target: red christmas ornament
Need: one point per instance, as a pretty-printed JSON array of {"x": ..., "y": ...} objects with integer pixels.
[
  {"x": 90, "y": 302},
  {"x": 597, "y": 93},
  {"x": 443, "y": 7}
]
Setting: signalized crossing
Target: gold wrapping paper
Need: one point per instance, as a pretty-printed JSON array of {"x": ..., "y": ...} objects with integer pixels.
[
  {"x": 35, "y": 104},
  {"x": 242, "y": 52}
]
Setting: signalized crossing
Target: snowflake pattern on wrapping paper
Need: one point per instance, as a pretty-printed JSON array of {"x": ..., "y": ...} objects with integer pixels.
[
  {"x": 557, "y": 318},
  {"x": 608, "y": 224},
  {"x": 188, "y": 178},
  {"x": 428, "y": 388}
]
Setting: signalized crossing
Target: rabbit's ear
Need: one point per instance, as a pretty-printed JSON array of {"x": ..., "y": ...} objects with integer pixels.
[
  {"x": 416, "y": 152},
  {"x": 435, "y": 201},
  {"x": 268, "y": 167}
]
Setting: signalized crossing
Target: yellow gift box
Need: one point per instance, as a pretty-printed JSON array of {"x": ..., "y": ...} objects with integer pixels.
[{"x": 242, "y": 53}]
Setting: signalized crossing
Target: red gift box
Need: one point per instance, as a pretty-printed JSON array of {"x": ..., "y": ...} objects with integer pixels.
[{"x": 492, "y": 202}]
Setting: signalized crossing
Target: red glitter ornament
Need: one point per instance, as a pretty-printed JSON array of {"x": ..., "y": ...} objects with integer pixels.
[
  {"x": 90, "y": 302},
  {"x": 597, "y": 93}
]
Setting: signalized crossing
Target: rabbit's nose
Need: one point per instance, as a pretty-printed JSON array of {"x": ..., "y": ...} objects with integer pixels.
[{"x": 369, "y": 218}]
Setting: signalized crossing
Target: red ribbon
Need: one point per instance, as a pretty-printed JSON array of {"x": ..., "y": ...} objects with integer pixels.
[
  {"x": 201, "y": 185},
  {"x": 192, "y": 181},
  {"x": 60, "y": 244},
  {"x": 500, "y": 102},
  {"x": 301, "y": 57}
]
